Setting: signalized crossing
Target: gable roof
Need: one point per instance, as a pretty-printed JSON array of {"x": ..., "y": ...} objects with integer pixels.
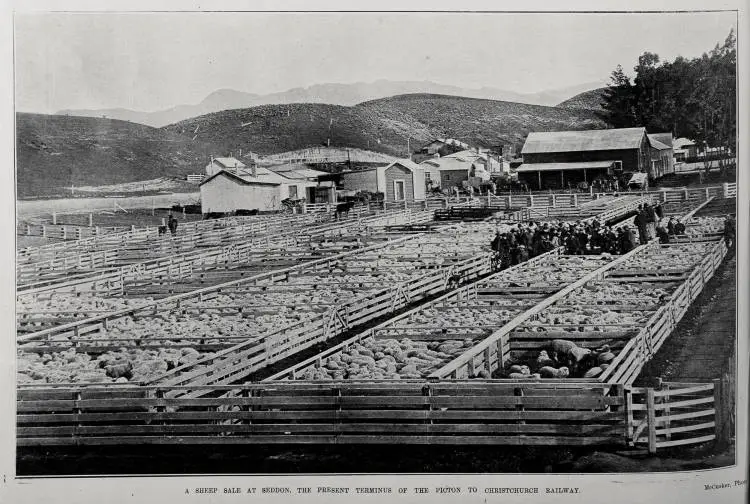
[
  {"x": 448, "y": 163},
  {"x": 587, "y": 140},
  {"x": 240, "y": 180},
  {"x": 406, "y": 163},
  {"x": 665, "y": 138},
  {"x": 656, "y": 144},
  {"x": 681, "y": 143},
  {"x": 229, "y": 162}
]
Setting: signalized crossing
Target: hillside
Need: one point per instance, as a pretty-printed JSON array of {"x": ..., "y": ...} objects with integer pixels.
[
  {"x": 482, "y": 123},
  {"x": 380, "y": 125},
  {"x": 55, "y": 151},
  {"x": 327, "y": 93},
  {"x": 589, "y": 100}
]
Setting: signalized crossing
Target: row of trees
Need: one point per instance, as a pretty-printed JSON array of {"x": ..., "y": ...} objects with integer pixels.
[{"x": 693, "y": 98}]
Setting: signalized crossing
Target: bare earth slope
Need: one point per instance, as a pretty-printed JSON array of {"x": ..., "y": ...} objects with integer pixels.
[{"x": 56, "y": 151}]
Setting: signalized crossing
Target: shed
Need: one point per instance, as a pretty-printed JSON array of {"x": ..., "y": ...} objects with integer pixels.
[
  {"x": 402, "y": 180},
  {"x": 261, "y": 190},
  {"x": 662, "y": 155},
  {"x": 579, "y": 156}
]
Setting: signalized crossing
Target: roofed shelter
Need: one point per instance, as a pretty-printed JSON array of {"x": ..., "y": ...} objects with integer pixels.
[{"x": 562, "y": 159}]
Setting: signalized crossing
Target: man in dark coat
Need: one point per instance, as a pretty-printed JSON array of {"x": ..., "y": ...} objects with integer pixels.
[
  {"x": 661, "y": 232},
  {"x": 679, "y": 228},
  {"x": 641, "y": 224},
  {"x": 670, "y": 226},
  {"x": 172, "y": 224}
]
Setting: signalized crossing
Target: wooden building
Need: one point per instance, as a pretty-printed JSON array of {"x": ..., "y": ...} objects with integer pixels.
[
  {"x": 562, "y": 159},
  {"x": 261, "y": 190},
  {"x": 402, "y": 180},
  {"x": 662, "y": 155}
]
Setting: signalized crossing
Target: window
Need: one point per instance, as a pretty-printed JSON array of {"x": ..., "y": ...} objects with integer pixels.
[
  {"x": 618, "y": 165},
  {"x": 427, "y": 175},
  {"x": 293, "y": 191},
  {"x": 399, "y": 194}
]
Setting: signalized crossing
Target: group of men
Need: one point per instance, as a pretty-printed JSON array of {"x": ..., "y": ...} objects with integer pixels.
[{"x": 579, "y": 238}]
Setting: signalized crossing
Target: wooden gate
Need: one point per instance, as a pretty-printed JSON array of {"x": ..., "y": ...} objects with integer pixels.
[{"x": 676, "y": 414}]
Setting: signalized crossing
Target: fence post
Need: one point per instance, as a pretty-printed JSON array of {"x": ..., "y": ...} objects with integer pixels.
[
  {"x": 575, "y": 200},
  {"x": 722, "y": 414},
  {"x": 54, "y": 217},
  {"x": 685, "y": 193},
  {"x": 663, "y": 196},
  {"x": 725, "y": 188},
  {"x": 651, "y": 411}
]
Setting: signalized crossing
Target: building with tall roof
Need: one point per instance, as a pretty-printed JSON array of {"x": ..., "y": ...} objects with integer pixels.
[
  {"x": 402, "y": 180},
  {"x": 563, "y": 159}
]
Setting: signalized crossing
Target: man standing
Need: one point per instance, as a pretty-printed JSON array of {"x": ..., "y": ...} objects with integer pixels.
[
  {"x": 172, "y": 224},
  {"x": 640, "y": 223}
]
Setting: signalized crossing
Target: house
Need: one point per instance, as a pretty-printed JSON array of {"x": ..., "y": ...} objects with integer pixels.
[
  {"x": 229, "y": 164},
  {"x": 259, "y": 189},
  {"x": 562, "y": 159},
  {"x": 684, "y": 149},
  {"x": 320, "y": 192},
  {"x": 402, "y": 180},
  {"x": 439, "y": 147},
  {"x": 662, "y": 157},
  {"x": 454, "y": 170}
]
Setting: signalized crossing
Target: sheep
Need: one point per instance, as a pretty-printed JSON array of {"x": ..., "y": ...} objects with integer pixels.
[
  {"x": 593, "y": 372},
  {"x": 544, "y": 359},
  {"x": 550, "y": 372}
]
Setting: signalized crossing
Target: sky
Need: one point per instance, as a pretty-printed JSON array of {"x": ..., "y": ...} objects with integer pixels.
[{"x": 153, "y": 61}]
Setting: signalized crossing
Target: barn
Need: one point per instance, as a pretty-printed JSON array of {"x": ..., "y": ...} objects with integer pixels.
[
  {"x": 562, "y": 159},
  {"x": 402, "y": 180},
  {"x": 260, "y": 189},
  {"x": 662, "y": 156}
]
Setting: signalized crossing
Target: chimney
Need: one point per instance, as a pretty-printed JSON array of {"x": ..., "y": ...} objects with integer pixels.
[
  {"x": 210, "y": 167},
  {"x": 254, "y": 170}
]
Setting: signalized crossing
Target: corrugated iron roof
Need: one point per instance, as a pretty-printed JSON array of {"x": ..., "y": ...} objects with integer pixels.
[
  {"x": 658, "y": 145},
  {"x": 229, "y": 162},
  {"x": 665, "y": 138},
  {"x": 448, "y": 163},
  {"x": 587, "y": 140},
  {"x": 535, "y": 167},
  {"x": 239, "y": 179}
]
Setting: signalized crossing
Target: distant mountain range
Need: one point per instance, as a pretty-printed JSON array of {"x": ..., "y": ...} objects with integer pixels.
[{"x": 332, "y": 94}]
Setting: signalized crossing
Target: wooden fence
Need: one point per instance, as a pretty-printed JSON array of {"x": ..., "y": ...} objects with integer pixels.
[
  {"x": 450, "y": 413},
  {"x": 254, "y": 354},
  {"x": 42, "y": 281},
  {"x": 679, "y": 414}
]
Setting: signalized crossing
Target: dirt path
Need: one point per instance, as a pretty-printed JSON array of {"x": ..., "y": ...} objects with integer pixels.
[{"x": 702, "y": 346}]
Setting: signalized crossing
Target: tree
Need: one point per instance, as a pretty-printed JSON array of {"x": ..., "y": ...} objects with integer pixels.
[
  {"x": 619, "y": 101},
  {"x": 693, "y": 98}
]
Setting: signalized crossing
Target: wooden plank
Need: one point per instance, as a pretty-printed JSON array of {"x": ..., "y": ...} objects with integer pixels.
[
  {"x": 687, "y": 428},
  {"x": 681, "y": 442},
  {"x": 326, "y": 439}
]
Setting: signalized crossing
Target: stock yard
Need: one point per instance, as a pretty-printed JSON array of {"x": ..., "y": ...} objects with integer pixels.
[{"x": 381, "y": 327}]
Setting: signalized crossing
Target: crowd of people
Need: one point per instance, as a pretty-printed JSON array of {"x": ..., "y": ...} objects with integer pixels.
[{"x": 528, "y": 240}]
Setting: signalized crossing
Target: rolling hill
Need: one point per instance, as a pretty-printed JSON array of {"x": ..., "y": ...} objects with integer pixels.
[
  {"x": 384, "y": 125},
  {"x": 54, "y": 152},
  {"x": 588, "y": 100},
  {"x": 326, "y": 93}
]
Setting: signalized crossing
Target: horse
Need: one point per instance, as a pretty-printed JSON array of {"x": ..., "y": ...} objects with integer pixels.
[{"x": 343, "y": 209}]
